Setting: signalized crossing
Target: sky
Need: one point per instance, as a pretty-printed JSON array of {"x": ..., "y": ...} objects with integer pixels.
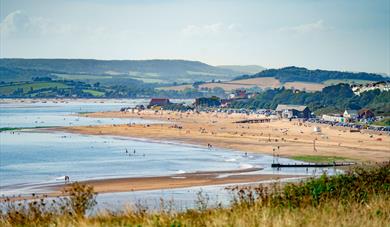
[{"x": 342, "y": 35}]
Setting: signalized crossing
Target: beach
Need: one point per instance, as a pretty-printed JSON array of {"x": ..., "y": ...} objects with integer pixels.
[
  {"x": 278, "y": 137},
  {"x": 184, "y": 180}
]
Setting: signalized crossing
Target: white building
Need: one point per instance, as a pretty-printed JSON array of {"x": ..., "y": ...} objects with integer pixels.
[
  {"x": 333, "y": 118},
  {"x": 360, "y": 88},
  {"x": 351, "y": 114}
]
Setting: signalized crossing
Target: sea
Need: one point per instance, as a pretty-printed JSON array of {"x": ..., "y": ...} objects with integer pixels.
[{"x": 33, "y": 158}]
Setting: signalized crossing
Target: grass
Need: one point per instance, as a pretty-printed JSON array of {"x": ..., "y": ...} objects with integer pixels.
[
  {"x": 21, "y": 128},
  {"x": 9, "y": 89},
  {"x": 316, "y": 158},
  {"x": 94, "y": 92},
  {"x": 360, "y": 197},
  {"x": 383, "y": 122},
  {"x": 8, "y": 129}
]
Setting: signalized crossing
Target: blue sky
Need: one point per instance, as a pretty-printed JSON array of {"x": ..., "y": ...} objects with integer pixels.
[{"x": 344, "y": 35}]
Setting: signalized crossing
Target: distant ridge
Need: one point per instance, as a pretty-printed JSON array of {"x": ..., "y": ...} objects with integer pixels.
[
  {"x": 244, "y": 69},
  {"x": 154, "y": 71},
  {"x": 293, "y": 73}
]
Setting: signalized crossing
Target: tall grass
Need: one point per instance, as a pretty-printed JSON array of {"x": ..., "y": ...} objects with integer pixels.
[{"x": 359, "y": 197}]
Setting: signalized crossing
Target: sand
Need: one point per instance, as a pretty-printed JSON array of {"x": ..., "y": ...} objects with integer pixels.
[
  {"x": 177, "y": 181},
  {"x": 278, "y": 137},
  {"x": 183, "y": 180}
]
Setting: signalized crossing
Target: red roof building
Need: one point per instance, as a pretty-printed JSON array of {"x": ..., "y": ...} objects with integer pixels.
[{"x": 158, "y": 102}]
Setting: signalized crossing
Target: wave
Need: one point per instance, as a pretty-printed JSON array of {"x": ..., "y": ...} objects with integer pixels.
[
  {"x": 60, "y": 178},
  {"x": 246, "y": 166},
  {"x": 180, "y": 171},
  {"x": 231, "y": 160}
]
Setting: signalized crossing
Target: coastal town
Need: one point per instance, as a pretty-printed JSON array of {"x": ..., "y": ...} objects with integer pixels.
[
  {"x": 194, "y": 113},
  {"x": 350, "y": 118}
]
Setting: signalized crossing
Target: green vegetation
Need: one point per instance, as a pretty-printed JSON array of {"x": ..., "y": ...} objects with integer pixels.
[
  {"x": 291, "y": 74},
  {"x": 94, "y": 92},
  {"x": 347, "y": 81},
  {"x": 334, "y": 99},
  {"x": 112, "y": 72},
  {"x": 21, "y": 128},
  {"x": 384, "y": 122},
  {"x": 29, "y": 87},
  {"x": 8, "y": 129},
  {"x": 360, "y": 197},
  {"x": 315, "y": 158},
  {"x": 45, "y": 87}
]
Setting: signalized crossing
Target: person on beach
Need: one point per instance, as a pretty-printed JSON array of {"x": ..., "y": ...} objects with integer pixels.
[{"x": 67, "y": 179}]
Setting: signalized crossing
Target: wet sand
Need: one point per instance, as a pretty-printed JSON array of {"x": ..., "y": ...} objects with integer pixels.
[
  {"x": 184, "y": 180},
  {"x": 179, "y": 181},
  {"x": 279, "y": 137}
]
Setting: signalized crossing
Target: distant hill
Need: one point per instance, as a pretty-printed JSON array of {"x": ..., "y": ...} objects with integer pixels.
[
  {"x": 112, "y": 71},
  {"x": 290, "y": 77},
  {"x": 299, "y": 74},
  {"x": 243, "y": 69}
]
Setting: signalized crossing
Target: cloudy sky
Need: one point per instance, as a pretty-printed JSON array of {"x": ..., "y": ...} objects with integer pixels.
[{"x": 344, "y": 35}]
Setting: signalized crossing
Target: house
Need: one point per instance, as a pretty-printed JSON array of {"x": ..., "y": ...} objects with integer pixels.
[
  {"x": 366, "y": 114},
  {"x": 350, "y": 115},
  {"x": 293, "y": 111},
  {"x": 239, "y": 94},
  {"x": 225, "y": 102},
  {"x": 213, "y": 101},
  {"x": 333, "y": 118},
  {"x": 381, "y": 85},
  {"x": 158, "y": 102}
]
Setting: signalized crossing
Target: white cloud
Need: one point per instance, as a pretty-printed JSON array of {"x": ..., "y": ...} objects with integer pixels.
[
  {"x": 19, "y": 23},
  {"x": 209, "y": 29},
  {"x": 306, "y": 28}
]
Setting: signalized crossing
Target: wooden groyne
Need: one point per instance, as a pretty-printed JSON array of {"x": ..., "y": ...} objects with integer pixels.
[
  {"x": 264, "y": 120},
  {"x": 305, "y": 165}
]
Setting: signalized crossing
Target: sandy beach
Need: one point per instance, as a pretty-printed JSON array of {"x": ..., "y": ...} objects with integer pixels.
[
  {"x": 178, "y": 181},
  {"x": 183, "y": 180},
  {"x": 279, "y": 137}
]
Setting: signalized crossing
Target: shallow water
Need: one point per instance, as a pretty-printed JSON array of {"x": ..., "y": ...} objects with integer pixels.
[
  {"x": 30, "y": 159},
  {"x": 61, "y": 114}
]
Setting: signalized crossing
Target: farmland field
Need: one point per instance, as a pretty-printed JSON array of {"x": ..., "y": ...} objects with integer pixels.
[
  {"x": 9, "y": 89},
  {"x": 305, "y": 86},
  {"x": 264, "y": 82}
]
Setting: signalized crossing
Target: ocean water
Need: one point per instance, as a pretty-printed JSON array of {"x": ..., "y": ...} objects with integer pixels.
[
  {"x": 32, "y": 159},
  {"x": 63, "y": 114}
]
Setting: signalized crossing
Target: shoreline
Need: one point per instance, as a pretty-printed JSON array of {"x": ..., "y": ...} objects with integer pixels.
[
  {"x": 278, "y": 137},
  {"x": 176, "y": 181}
]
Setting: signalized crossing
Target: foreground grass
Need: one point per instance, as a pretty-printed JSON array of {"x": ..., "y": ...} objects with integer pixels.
[
  {"x": 315, "y": 158},
  {"x": 360, "y": 197}
]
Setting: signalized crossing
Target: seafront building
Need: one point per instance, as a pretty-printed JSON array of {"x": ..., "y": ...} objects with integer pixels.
[{"x": 292, "y": 111}]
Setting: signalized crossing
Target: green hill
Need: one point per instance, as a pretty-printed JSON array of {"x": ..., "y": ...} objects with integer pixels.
[
  {"x": 292, "y": 74},
  {"x": 113, "y": 71}
]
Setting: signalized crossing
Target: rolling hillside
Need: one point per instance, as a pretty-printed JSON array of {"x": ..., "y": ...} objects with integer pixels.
[
  {"x": 232, "y": 85},
  {"x": 292, "y": 74},
  {"x": 243, "y": 69},
  {"x": 113, "y": 71},
  {"x": 289, "y": 77}
]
